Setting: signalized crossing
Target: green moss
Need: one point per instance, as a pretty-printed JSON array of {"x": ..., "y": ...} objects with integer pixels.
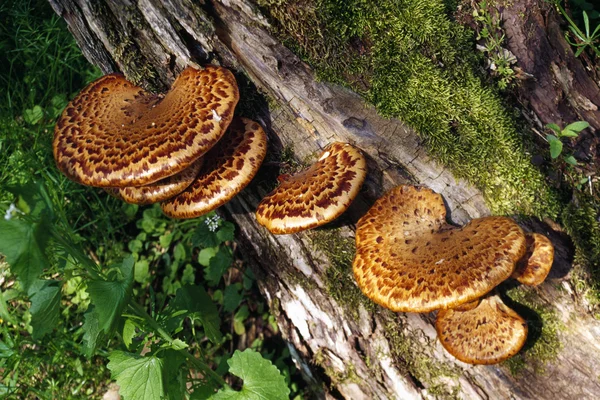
[
  {"x": 412, "y": 62},
  {"x": 543, "y": 343},
  {"x": 339, "y": 279},
  {"x": 337, "y": 377},
  {"x": 412, "y": 354}
]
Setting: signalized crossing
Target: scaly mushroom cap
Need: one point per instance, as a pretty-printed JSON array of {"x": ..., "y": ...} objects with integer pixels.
[
  {"x": 228, "y": 168},
  {"x": 409, "y": 259},
  {"x": 534, "y": 267},
  {"x": 486, "y": 334},
  {"x": 114, "y": 134},
  {"x": 316, "y": 195},
  {"x": 161, "y": 190}
]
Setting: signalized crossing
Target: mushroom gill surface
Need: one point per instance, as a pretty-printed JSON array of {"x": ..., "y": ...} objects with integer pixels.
[
  {"x": 161, "y": 190},
  {"x": 486, "y": 334},
  {"x": 535, "y": 266},
  {"x": 409, "y": 259},
  {"x": 228, "y": 168},
  {"x": 316, "y": 195},
  {"x": 114, "y": 134}
]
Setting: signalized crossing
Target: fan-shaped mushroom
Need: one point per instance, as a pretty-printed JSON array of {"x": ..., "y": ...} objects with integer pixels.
[
  {"x": 114, "y": 134},
  {"x": 316, "y": 195},
  {"x": 409, "y": 259},
  {"x": 161, "y": 190},
  {"x": 228, "y": 168},
  {"x": 486, "y": 334},
  {"x": 534, "y": 267}
]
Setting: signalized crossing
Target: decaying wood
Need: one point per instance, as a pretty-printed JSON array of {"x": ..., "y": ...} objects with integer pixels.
[{"x": 353, "y": 352}]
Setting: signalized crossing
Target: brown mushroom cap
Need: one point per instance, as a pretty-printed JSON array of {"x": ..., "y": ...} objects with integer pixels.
[
  {"x": 114, "y": 134},
  {"x": 409, "y": 259},
  {"x": 316, "y": 195},
  {"x": 228, "y": 168},
  {"x": 161, "y": 190},
  {"x": 487, "y": 334},
  {"x": 534, "y": 267}
]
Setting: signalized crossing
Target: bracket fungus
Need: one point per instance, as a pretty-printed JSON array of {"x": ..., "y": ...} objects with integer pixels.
[
  {"x": 534, "y": 267},
  {"x": 316, "y": 195},
  {"x": 409, "y": 259},
  {"x": 114, "y": 134},
  {"x": 228, "y": 168},
  {"x": 161, "y": 190},
  {"x": 485, "y": 332}
]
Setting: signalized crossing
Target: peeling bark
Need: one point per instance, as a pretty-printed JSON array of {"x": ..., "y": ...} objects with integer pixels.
[{"x": 345, "y": 349}]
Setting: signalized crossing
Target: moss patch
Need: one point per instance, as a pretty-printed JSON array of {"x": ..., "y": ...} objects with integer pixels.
[
  {"x": 543, "y": 343},
  {"x": 412, "y": 62},
  {"x": 338, "y": 277}
]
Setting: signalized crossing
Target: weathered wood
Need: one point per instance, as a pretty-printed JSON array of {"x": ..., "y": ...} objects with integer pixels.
[{"x": 345, "y": 348}]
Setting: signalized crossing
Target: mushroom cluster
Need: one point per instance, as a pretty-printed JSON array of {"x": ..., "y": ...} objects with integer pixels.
[
  {"x": 184, "y": 149},
  {"x": 409, "y": 259}
]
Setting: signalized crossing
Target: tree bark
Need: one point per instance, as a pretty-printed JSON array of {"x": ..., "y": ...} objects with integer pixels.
[{"x": 344, "y": 346}]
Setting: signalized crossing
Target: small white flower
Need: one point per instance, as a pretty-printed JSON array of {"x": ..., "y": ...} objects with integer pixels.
[
  {"x": 12, "y": 210},
  {"x": 216, "y": 116},
  {"x": 212, "y": 223}
]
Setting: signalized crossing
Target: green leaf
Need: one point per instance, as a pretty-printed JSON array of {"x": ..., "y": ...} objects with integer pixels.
[
  {"x": 226, "y": 232},
  {"x": 92, "y": 332},
  {"x": 174, "y": 375},
  {"x": 128, "y": 332},
  {"x": 24, "y": 244},
  {"x": 111, "y": 296},
  {"x": 204, "y": 237},
  {"x": 206, "y": 254},
  {"x": 142, "y": 268},
  {"x": 556, "y": 146},
  {"x": 231, "y": 298},
  {"x": 179, "y": 252},
  {"x": 33, "y": 115},
  {"x": 178, "y": 344},
  {"x": 571, "y": 160},
  {"x": 262, "y": 380},
  {"x": 45, "y": 307},
  {"x": 33, "y": 199},
  {"x": 198, "y": 303},
  {"x": 554, "y": 127},
  {"x": 218, "y": 265},
  {"x": 577, "y": 126},
  {"x": 239, "y": 319},
  {"x": 568, "y": 133},
  {"x": 138, "y": 377}
]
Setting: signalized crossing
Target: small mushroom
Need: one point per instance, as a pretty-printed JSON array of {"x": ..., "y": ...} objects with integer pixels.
[
  {"x": 114, "y": 134},
  {"x": 489, "y": 333},
  {"x": 161, "y": 190},
  {"x": 409, "y": 259},
  {"x": 316, "y": 195},
  {"x": 228, "y": 168},
  {"x": 534, "y": 267}
]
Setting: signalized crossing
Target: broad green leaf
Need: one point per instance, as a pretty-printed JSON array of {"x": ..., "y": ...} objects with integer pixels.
[
  {"x": 218, "y": 265},
  {"x": 178, "y": 344},
  {"x": 554, "y": 127},
  {"x": 577, "y": 126},
  {"x": 226, "y": 232},
  {"x": 568, "y": 133},
  {"x": 33, "y": 199},
  {"x": 196, "y": 301},
  {"x": 142, "y": 268},
  {"x": 6, "y": 350},
  {"x": 262, "y": 380},
  {"x": 92, "y": 331},
  {"x": 110, "y": 297},
  {"x": 24, "y": 244},
  {"x": 179, "y": 252},
  {"x": 571, "y": 160},
  {"x": 128, "y": 332},
  {"x": 556, "y": 146},
  {"x": 206, "y": 254},
  {"x": 232, "y": 298},
  {"x": 139, "y": 378},
  {"x": 33, "y": 115},
  {"x": 45, "y": 307},
  {"x": 239, "y": 320},
  {"x": 174, "y": 375},
  {"x": 204, "y": 237}
]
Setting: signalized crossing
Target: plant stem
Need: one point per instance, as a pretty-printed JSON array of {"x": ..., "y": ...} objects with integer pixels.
[
  {"x": 140, "y": 311},
  {"x": 77, "y": 254}
]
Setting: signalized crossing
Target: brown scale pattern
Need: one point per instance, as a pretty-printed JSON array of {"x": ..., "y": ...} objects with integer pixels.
[
  {"x": 409, "y": 259},
  {"x": 161, "y": 190},
  {"x": 114, "y": 134},
  {"x": 228, "y": 168},
  {"x": 487, "y": 334},
  {"x": 535, "y": 266},
  {"x": 316, "y": 195}
]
